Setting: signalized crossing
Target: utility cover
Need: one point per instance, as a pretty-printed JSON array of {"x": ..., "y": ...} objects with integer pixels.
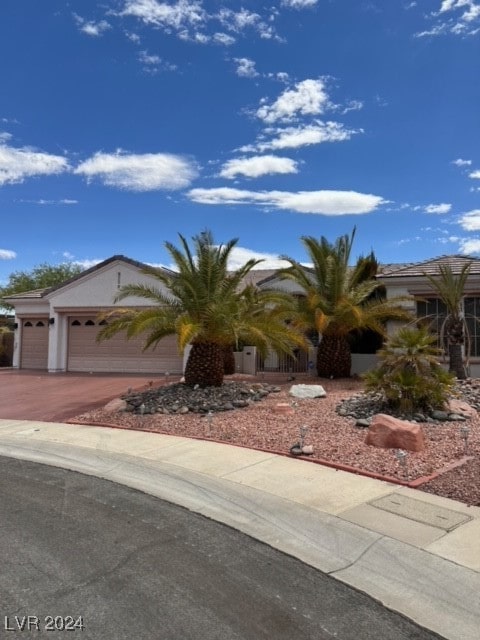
[{"x": 420, "y": 511}]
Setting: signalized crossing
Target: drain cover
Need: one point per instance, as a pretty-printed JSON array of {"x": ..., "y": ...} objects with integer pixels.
[{"x": 421, "y": 511}]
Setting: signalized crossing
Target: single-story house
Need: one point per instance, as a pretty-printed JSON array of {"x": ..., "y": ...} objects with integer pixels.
[{"x": 56, "y": 328}]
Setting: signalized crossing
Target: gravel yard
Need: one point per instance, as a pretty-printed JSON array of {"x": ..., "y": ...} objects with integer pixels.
[{"x": 334, "y": 438}]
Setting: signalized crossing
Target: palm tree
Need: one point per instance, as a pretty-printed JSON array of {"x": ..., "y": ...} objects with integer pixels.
[
  {"x": 453, "y": 332},
  {"x": 339, "y": 300},
  {"x": 205, "y": 306},
  {"x": 409, "y": 374}
]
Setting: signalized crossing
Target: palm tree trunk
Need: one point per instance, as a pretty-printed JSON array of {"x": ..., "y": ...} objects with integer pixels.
[
  {"x": 334, "y": 359},
  {"x": 456, "y": 365},
  {"x": 228, "y": 360},
  {"x": 205, "y": 365}
]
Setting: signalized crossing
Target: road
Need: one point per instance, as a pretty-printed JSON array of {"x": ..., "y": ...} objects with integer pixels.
[{"x": 125, "y": 565}]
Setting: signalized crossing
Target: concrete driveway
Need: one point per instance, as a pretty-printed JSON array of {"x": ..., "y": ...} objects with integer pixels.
[{"x": 55, "y": 397}]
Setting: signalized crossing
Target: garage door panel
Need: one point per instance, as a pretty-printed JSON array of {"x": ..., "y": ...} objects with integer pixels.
[
  {"x": 34, "y": 347},
  {"x": 118, "y": 354}
]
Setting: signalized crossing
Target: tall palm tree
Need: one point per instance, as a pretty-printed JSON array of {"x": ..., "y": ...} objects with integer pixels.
[
  {"x": 339, "y": 299},
  {"x": 205, "y": 306},
  {"x": 453, "y": 332}
]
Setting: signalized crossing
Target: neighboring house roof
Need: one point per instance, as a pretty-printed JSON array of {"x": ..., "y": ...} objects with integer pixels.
[
  {"x": 34, "y": 293},
  {"x": 431, "y": 267},
  {"x": 259, "y": 275}
]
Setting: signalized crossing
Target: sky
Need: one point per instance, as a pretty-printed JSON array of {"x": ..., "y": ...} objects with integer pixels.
[{"x": 126, "y": 122}]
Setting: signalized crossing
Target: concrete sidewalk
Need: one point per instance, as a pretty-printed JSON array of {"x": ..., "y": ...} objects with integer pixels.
[{"x": 417, "y": 553}]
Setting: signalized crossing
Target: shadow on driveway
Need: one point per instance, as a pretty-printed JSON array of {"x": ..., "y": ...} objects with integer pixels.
[{"x": 55, "y": 397}]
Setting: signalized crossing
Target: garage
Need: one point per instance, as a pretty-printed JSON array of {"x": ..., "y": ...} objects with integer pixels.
[
  {"x": 117, "y": 355},
  {"x": 34, "y": 352}
]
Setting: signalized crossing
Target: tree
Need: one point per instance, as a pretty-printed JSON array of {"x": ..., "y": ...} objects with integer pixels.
[
  {"x": 453, "y": 331},
  {"x": 40, "y": 277},
  {"x": 409, "y": 374},
  {"x": 205, "y": 305},
  {"x": 339, "y": 300}
]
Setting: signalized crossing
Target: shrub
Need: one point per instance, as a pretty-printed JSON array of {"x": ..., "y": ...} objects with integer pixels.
[{"x": 410, "y": 375}]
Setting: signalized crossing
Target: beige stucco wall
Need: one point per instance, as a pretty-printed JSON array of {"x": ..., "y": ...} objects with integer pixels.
[{"x": 98, "y": 289}]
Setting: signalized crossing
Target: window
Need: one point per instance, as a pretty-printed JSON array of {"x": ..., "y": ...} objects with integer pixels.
[
  {"x": 89, "y": 323},
  {"x": 434, "y": 312},
  {"x": 472, "y": 318},
  {"x": 76, "y": 323}
]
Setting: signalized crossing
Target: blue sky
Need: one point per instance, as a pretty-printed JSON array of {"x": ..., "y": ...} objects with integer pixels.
[{"x": 124, "y": 122}]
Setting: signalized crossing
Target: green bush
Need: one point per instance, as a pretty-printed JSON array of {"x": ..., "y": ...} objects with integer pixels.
[{"x": 409, "y": 374}]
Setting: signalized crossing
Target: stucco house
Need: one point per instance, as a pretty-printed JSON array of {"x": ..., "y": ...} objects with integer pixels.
[{"x": 56, "y": 328}]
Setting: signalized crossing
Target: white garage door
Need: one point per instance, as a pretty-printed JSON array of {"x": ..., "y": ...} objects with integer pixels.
[
  {"x": 34, "y": 349},
  {"x": 117, "y": 355}
]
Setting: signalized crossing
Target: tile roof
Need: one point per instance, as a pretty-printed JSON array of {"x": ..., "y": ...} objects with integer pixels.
[
  {"x": 431, "y": 267},
  {"x": 34, "y": 293}
]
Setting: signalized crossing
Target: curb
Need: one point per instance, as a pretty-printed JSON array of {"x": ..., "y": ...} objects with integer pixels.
[{"x": 413, "y": 484}]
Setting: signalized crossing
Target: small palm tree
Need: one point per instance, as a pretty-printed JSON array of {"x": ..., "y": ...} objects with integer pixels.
[
  {"x": 339, "y": 299},
  {"x": 205, "y": 306},
  {"x": 409, "y": 374},
  {"x": 453, "y": 332}
]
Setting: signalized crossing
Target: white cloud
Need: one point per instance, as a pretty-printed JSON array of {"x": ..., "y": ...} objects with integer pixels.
[
  {"x": 257, "y": 166},
  {"x": 470, "y": 245},
  {"x": 352, "y": 105},
  {"x": 7, "y": 254},
  {"x": 135, "y": 172},
  {"x": 299, "y": 4},
  {"x": 94, "y": 29},
  {"x": 153, "y": 63},
  {"x": 459, "y": 162},
  {"x": 302, "y": 136},
  {"x": 223, "y": 38},
  {"x": 147, "y": 58},
  {"x": 240, "y": 255},
  {"x": 18, "y": 164},
  {"x": 318, "y": 202},
  {"x": 308, "y": 97},
  {"x": 179, "y": 15},
  {"x": 43, "y": 201},
  {"x": 457, "y": 17},
  {"x": 87, "y": 262},
  {"x": 470, "y": 221},
  {"x": 475, "y": 174},
  {"x": 240, "y": 21},
  {"x": 246, "y": 68},
  {"x": 438, "y": 208}
]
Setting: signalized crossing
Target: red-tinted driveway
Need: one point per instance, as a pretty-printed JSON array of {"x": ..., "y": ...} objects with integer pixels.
[{"x": 55, "y": 397}]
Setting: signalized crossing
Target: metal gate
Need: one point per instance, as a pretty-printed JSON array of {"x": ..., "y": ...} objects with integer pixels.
[{"x": 283, "y": 363}]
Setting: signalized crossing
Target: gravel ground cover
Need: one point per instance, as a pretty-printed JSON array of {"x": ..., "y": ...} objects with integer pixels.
[{"x": 334, "y": 438}]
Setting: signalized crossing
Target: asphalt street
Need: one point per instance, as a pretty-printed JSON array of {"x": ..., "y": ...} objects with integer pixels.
[{"x": 87, "y": 558}]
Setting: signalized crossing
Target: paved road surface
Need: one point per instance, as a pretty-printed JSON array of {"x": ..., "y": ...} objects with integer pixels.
[{"x": 135, "y": 567}]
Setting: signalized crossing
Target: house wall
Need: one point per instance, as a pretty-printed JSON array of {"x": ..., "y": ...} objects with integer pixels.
[{"x": 98, "y": 289}]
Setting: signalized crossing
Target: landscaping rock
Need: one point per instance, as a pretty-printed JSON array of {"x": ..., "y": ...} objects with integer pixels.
[
  {"x": 456, "y": 417},
  {"x": 388, "y": 432},
  {"x": 180, "y": 398},
  {"x": 439, "y": 415},
  {"x": 462, "y": 408},
  {"x": 363, "y": 423},
  {"x": 117, "y": 404},
  {"x": 307, "y": 391},
  {"x": 283, "y": 408}
]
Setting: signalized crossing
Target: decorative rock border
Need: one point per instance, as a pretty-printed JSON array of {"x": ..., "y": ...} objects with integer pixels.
[{"x": 180, "y": 398}]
